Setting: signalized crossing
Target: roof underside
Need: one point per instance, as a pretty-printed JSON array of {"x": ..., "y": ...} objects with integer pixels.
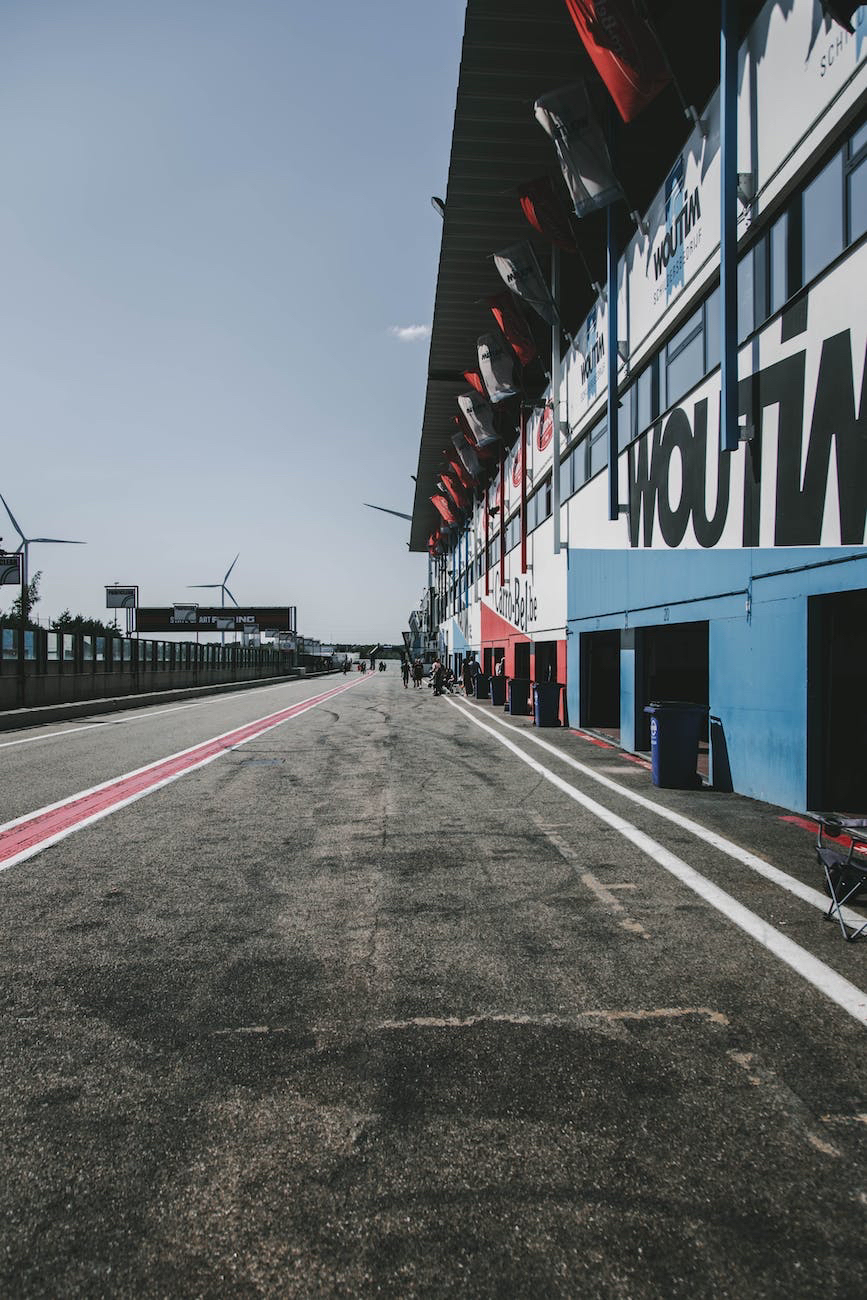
[{"x": 513, "y": 52}]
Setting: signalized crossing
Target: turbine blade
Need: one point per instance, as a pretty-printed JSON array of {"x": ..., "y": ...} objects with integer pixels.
[
  {"x": 385, "y": 510},
  {"x": 231, "y": 567},
  {"x": 61, "y": 541},
  {"x": 204, "y": 584},
  {"x": 15, "y": 523},
  {"x": 231, "y": 597}
]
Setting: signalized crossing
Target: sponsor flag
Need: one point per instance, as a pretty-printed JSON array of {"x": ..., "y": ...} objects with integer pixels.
[
  {"x": 456, "y": 467},
  {"x": 497, "y": 366},
  {"x": 581, "y": 149},
  {"x": 520, "y": 270},
  {"x": 454, "y": 490},
  {"x": 542, "y": 208},
  {"x": 624, "y": 51},
  {"x": 514, "y": 327},
  {"x": 475, "y": 379},
  {"x": 479, "y": 416},
  {"x": 445, "y": 508},
  {"x": 467, "y": 454}
]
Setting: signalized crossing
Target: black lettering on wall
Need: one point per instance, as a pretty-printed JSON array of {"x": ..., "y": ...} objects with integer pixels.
[
  {"x": 800, "y": 507},
  {"x": 642, "y": 486},
  {"x": 673, "y": 519},
  {"x": 708, "y": 531},
  {"x": 782, "y": 385}
]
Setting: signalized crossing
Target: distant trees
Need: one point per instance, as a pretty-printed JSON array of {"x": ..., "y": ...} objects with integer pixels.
[
  {"x": 31, "y": 597},
  {"x": 67, "y": 622}
]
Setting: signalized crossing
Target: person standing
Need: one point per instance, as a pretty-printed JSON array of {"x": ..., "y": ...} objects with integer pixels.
[
  {"x": 404, "y": 672},
  {"x": 417, "y": 673},
  {"x": 437, "y": 674}
]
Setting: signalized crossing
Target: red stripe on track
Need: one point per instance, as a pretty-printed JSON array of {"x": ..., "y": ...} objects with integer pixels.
[
  {"x": 29, "y": 832},
  {"x": 593, "y": 740}
]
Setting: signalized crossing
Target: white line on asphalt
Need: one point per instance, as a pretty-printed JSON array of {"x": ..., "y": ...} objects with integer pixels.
[
  {"x": 303, "y": 707},
  {"x": 144, "y": 716},
  {"x": 742, "y": 856},
  {"x": 851, "y": 999}
]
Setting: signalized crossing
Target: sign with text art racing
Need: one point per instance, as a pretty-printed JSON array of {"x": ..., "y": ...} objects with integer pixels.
[
  {"x": 10, "y": 570},
  {"x": 162, "y": 619}
]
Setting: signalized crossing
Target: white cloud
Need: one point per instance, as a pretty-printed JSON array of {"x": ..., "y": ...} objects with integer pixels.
[{"x": 410, "y": 333}]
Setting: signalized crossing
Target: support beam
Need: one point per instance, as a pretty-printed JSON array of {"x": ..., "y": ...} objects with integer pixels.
[
  {"x": 611, "y": 365},
  {"x": 728, "y": 45},
  {"x": 555, "y": 395}
]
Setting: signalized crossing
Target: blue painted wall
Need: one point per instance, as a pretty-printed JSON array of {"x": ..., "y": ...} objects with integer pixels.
[{"x": 755, "y": 604}]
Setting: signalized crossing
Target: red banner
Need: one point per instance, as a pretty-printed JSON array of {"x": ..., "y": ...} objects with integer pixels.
[
  {"x": 459, "y": 472},
  {"x": 624, "y": 52},
  {"x": 473, "y": 377},
  {"x": 444, "y": 506},
  {"x": 545, "y": 213},
  {"x": 514, "y": 327}
]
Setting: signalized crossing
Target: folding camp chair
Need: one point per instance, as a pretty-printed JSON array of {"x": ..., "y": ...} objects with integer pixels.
[{"x": 841, "y": 850}]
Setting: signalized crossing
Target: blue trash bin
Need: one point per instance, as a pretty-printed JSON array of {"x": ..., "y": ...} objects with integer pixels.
[
  {"x": 546, "y": 704},
  {"x": 498, "y": 690},
  {"x": 482, "y": 687},
  {"x": 518, "y": 696},
  {"x": 675, "y": 726}
]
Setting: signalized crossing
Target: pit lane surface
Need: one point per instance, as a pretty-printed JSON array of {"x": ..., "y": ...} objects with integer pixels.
[{"x": 369, "y": 1006}]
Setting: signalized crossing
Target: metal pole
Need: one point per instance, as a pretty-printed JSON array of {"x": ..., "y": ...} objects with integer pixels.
[
  {"x": 611, "y": 347},
  {"x": 21, "y": 627},
  {"x": 523, "y": 488},
  {"x": 555, "y": 394},
  {"x": 612, "y": 332},
  {"x": 729, "y": 224}
]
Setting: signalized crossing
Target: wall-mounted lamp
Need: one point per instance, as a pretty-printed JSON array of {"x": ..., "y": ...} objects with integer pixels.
[
  {"x": 640, "y": 223},
  {"x": 623, "y": 350},
  {"x": 746, "y": 188},
  {"x": 438, "y": 205}
]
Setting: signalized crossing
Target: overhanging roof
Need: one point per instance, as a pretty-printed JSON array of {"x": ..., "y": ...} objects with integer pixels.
[{"x": 513, "y": 52}]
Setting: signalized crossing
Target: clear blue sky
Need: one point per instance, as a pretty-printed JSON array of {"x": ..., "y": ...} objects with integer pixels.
[{"x": 215, "y": 216}]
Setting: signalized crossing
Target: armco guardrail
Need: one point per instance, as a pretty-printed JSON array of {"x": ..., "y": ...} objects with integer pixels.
[{"x": 68, "y": 667}]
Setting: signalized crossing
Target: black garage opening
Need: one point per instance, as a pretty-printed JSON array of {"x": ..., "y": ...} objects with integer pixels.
[
  {"x": 600, "y": 681},
  {"x": 673, "y": 664},
  {"x": 837, "y": 703}
]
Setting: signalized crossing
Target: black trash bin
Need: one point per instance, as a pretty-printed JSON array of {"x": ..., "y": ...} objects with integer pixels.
[
  {"x": 546, "y": 704},
  {"x": 482, "y": 687},
  {"x": 675, "y": 726},
  {"x": 518, "y": 696},
  {"x": 498, "y": 690}
]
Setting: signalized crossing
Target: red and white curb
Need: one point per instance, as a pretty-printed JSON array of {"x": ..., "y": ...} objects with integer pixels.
[{"x": 22, "y": 838}]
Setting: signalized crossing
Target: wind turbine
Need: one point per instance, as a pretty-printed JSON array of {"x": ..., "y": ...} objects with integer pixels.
[
  {"x": 27, "y": 542},
  {"x": 386, "y": 511},
  {"x": 224, "y": 590}
]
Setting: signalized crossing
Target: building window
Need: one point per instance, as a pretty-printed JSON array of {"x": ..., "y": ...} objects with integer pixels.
[
  {"x": 822, "y": 217},
  {"x": 598, "y": 447},
  {"x": 684, "y": 359},
  {"x": 778, "y": 285},
  {"x": 856, "y": 186},
  {"x": 647, "y": 397}
]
